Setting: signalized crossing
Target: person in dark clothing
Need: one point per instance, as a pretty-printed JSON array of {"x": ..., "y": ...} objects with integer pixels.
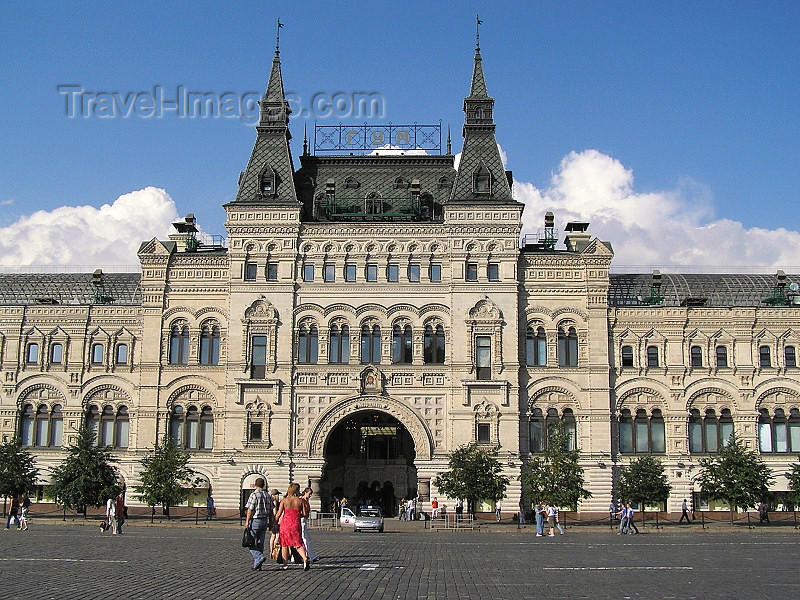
[{"x": 685, "y": 512}]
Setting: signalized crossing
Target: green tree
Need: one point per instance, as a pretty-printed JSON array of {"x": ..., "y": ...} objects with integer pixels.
[
  {"x": 86, "y": 477},
  {"x": 734, "y": 475},
  {"x": 475, "y": 474},
  {"x": 166, "y": 480},
  {"x": 643, "y": 481},
  {"x": 556, "y": 476},
  {"x": 793, "y": 475},
  {"x": 17, "y": 471}
]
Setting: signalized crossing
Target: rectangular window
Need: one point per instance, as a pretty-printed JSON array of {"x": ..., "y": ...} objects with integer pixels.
[
  {"x": 272, "y": 271},
  {"x": 392, "y": 273},
  {"x": 107, "y": 433},
  {"x": 642, "y": 441},
  {"x": 712, "y": 443},
  {"x": 658, "y": 436},
  {"x": 413, "y": 273},
  {"x": 192, "y": 435},
  {"x": 794, "y": 436},
  {"x": 250, "y": 271},
  {"x": 695, "y": 437},
  {"x": 765, "y": 437},
  {"x": 781, "y": 437},
  {"x": 255, "y": 432},
  {"x": 330, "y": 273},
  {"x": 42, "y": 432},
  {"x": 764, "y": 358},
  {"x": 308, "y": 272},
  {"x": 57, "y": 433},
  {"x": 483, "y": 356},
  {"x": 483, "y": 433},
  {"x": 535, "y": 436},
  {"x": 56, "y": 354},
  {"x": 696, "y": 356},
  {"x": 493, "y": 271},
  {"x": 372, "y": 272},
  {"x": 472, "y": 272},
  {"x": 436, "y": 273},
  {"x": 349, "y": 272},
  {"x": 259, "y": 361},
  {"x": 652, "y": 356},
  {"x": 207, "y": 435}
]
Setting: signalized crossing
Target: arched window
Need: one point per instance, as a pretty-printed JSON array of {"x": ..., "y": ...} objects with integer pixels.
[
  {"x": 26, "y": 425},
  {"x": 307, "y": 345},
  {"x": 402, "y": 344},
  {"x": 627, "y": 356},
  {"x": 789, "y": 357},
  {"x": 206, "y": 428},
  {"x": 122, "y": 428},
  {"x": 93, "y": 422},
  {"x": 32, "y": 354},
  {"x": 642, "y": 434},
  {"x": 535, "y": 347},
  {"x": 209, "y": 345},
  {"x": 434, "y": 345},
  {"x": 109, "y": 426},
  {"x": 722, "y": 357},
  {"x": 652, "y": 356},
  {"x": 764, "y": 357},
  {"x": 567, "y": 347},
  {"x": 339, "y": 350},
  {"x": 177, "y": 423},
  {"x": 370, "y": 344},
  {"x": 179, "y": 345},
  {"x": 121, "y": 354},
  {"x": 56, "y": 354},
  {"x": 696, "y": 356},
  {"x": 540, "y": 425},
  {"x": 97, "y": 354},
  {"x": 42, "y": 426},
  {"x": 709, "y": 433},
  {"x": 777, "y": 433}
]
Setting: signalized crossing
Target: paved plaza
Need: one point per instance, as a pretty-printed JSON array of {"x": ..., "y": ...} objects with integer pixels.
[{"x": 183, "y": 562}]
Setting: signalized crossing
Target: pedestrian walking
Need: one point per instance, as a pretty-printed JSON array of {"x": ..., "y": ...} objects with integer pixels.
[
  {"x": 539, "y": 514},
  {"x": 312, "y": 556},
  {"x": 210, "y": 510},
  {"x": 13, "y": 512},
  {"x": 497, "y": 508},
  {"x": 290, "y": 512},
  {"x": 259, "y": 515},
  {"x": 274, "y": 526},
  {"x": 763, "y": 513},
  {"x": 121, "y": 512},
  {"x": 623, "y": 519},
  {"x": 632, "y": 520},
  {"x": 612, "y": 510},
  {"x": 459, "y": 509},
  {"x": 684, "y": 512},
  {"x": 111, "y": 515},
  {"x": 24, "y": 510},
  {"x": 558, "y": 522},
  {"x": 522, "y": 520}
]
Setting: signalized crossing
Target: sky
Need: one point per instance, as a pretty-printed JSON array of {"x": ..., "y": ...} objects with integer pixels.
[{"x": 672, "y": 127}]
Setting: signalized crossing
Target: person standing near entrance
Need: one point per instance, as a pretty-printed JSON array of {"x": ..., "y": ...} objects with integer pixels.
[
  {"x": 497, "y": 508},
  {"x": 539, "y": 513},
  {"x": 259, "y": 515},
  {"x": 312, "y": 556},
  {"x": 209, "y": 506},
  {"x": 435, "y": 508},
  {"x": 685, "y": 512},
  {"x": 763, "y": 514}
]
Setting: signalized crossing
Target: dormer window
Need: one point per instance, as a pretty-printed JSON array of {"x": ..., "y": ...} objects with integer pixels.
[
  {"x": 482, "y": 180},
  {"x": 268, "y": 182},
  {"x": 478, "y": 113}
]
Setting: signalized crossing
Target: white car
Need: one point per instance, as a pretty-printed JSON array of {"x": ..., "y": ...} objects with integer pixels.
[
  {"x": 347, "y": 518},
  {"x": 369, "y": 519}
]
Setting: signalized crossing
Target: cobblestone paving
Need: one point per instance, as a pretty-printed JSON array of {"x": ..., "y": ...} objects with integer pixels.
[{"x": 77, "y": 562}]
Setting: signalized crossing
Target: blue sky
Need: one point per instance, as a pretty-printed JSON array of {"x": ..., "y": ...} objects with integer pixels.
[{"x": 692, "y": 106}]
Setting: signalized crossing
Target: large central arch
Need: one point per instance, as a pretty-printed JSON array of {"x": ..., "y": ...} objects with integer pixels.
[
  {"x": 423, "y": 441},
  {"x": 370, "y": 445}
]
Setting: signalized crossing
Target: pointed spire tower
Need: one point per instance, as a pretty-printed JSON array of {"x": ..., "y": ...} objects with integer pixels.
[
  {"x": 481, "y": 176},
  {"x": 269, "y": 175}
]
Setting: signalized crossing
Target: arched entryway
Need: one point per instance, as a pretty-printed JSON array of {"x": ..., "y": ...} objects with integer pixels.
[{"x": 369, "y": 459}]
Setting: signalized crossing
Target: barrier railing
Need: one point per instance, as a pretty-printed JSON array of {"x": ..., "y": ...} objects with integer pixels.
[{"x": 453, "y": 522}]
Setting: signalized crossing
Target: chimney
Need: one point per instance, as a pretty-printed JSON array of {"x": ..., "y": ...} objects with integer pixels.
[
  {"x": 577, "y": 239},
  {"x": 185, "y": 236}
]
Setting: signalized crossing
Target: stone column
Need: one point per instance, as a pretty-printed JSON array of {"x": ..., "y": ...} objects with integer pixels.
[{"x": 316, "y": 499}]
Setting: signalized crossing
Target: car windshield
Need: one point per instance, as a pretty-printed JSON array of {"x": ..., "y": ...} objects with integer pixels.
[{"x": 370, "y": 512}]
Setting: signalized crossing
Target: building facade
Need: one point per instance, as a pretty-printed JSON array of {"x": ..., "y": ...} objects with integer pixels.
[{"x": 370, "y": 313}]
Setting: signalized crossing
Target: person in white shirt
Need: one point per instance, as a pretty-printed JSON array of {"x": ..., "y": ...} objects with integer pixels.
[{"x": 111, "y": 514}]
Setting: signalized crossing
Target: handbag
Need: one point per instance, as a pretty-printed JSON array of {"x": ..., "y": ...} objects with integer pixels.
[{"x": 248, "y": 539}]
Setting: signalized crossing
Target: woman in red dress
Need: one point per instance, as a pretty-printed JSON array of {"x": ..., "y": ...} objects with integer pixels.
[{"x": 291, "y": 510}]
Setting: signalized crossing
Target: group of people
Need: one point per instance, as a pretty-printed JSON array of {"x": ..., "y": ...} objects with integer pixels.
[
  {"x": 627, "y": 521},
  {"x": 116, "y": 512},
  {"x": 18, "y": 511},
  {"x": 286, "y": 520},
  {"x": 407, "y": 511},
  {"x": 546, "y": 511}
]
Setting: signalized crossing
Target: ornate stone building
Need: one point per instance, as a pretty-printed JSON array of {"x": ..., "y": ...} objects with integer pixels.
[{"x": 370, "y": 313}]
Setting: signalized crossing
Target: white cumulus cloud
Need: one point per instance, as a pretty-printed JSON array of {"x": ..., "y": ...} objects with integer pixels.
[
  {"x": 88, "y": 236},
  {"x": 669, "y": 228}
]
